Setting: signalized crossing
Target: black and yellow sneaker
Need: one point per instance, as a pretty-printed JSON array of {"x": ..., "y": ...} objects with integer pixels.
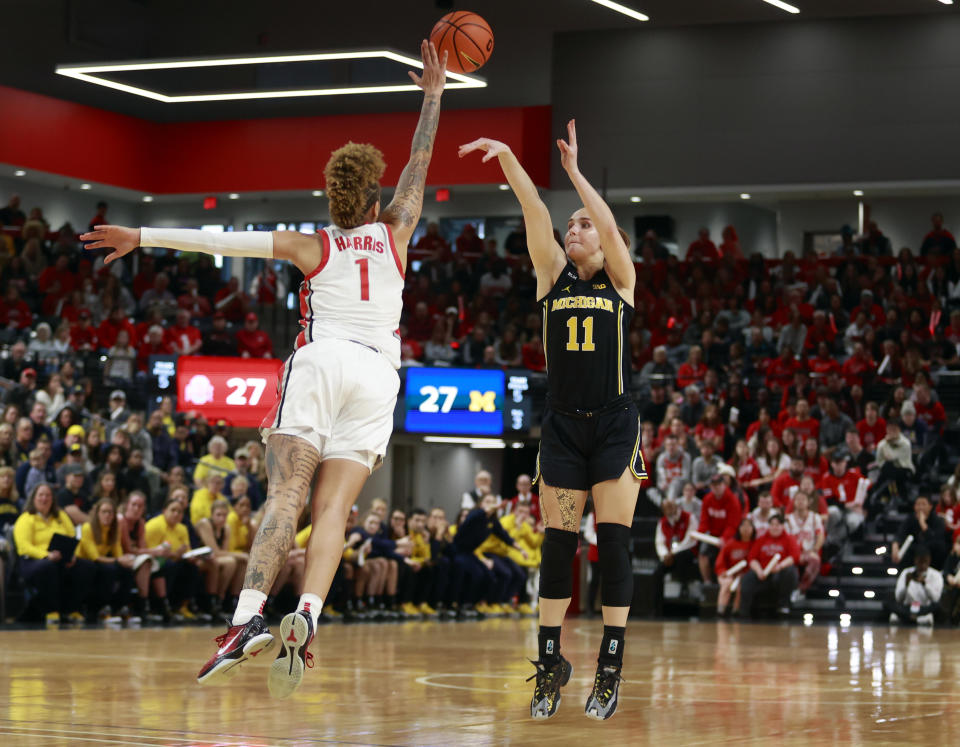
[
  {"x": 286, "y": 672},
  {"x": 546, "y": 694},
  {"x": 602, "y": 703}
]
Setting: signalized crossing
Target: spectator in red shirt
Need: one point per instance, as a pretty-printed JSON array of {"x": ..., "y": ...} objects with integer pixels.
[
  {"x": 266, "y": 286},
  {"x": 183, "y": 338},
  {"x": 533, "y": 354},
  {"x": 703, "y": 248},
  {"x": 939, "y": 242},
  {"x": 710, "y": 428},
  {"x": 802, "y": 424},
  {"x": 111, "y": 326},
  {"x": 14, "y": 311},
  {"x": 432, "y": 243},
  {"x": 421, "y": 323},
  {"x": 154, "y": 344},
  {"x": 931, "y": 413},
  {"x": 253, "y": 342},
  {"x": 694, "y": 370},
  {"x": 468, "y": 242},
  {"x": 859, "y": 366},
  {"x": 83, "y": 335},
  {"x": 731, "y": 554},
  {"x": 719, "y": 516},
  {"x": 814, "y": 463},
  {"x": 873, "y": 428},
  {"x": 676, "y": 549},
  {"x": 874, "y": 311},
  {"x": 780, "y": 370},
  {"x": 845, "y": 490},
  {"x": 58, "y": 273},
  {"x": 782, "y": 576},
  {"x": 100, "y": 219},
  {"x": 821, "y": 331},
  {"x": 192, "y": 301},
  {"x": 730, "y": 246},
  {"x": 232, "y": 301},
  {"x": 525, "y": 494},
  {"x": 780, "y": 491},
  {"x": 143, "y": 280}
]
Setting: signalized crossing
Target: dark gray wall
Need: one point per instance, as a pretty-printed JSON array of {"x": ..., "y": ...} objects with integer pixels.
[{"x": 784, "y": 103}]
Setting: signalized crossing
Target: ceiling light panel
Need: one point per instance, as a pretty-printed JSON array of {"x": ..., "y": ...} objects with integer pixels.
[
  {"x": 95, "y": 74},
  {"x": 783, "y": 6},
  {"x": 634, "y": 14}
]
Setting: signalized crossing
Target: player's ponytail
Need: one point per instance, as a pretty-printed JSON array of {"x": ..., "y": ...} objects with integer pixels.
[{"x": 353, "y": 182}]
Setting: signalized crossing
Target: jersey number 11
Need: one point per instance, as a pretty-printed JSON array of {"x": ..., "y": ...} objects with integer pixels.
[{"x": 572, "y": 343}]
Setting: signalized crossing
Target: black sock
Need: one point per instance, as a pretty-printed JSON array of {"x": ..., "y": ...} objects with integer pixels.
[
  {"x": 611, "y": 648},
  {"x": 549, "y": 639}
]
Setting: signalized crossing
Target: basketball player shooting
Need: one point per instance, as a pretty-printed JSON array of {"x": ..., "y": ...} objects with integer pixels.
[
  {"x": 337, "y": 390},
  {"x": 590, "y": 437}
]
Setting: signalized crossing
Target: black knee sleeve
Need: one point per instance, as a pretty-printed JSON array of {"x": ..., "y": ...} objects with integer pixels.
[
  {"x": 556, "y": 566},
  {"x": 616, "y": 570}
]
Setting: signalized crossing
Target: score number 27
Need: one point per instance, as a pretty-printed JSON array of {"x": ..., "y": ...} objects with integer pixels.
[{"x": 479, "y": 401}]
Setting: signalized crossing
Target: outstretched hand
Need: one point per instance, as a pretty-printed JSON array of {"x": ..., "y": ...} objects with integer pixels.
[
  {"x": 434, "y": 69},
  {"x": 121, "y": 240},
  {"x": 493, "y": 148},
  {"x": 568, "y": 148}
]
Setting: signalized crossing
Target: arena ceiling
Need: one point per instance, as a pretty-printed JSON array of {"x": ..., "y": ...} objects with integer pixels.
[{"x": 51, "y": 32}]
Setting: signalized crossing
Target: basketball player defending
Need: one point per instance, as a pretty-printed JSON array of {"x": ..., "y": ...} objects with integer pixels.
[
  {"x": 591, "y": 436},
  {"x": 337, "y": 390}
]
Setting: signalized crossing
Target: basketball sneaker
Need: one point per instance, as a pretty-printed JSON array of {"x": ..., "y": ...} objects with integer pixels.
[
  {"x": 546, "y": 693},
  {"x": 602, "y": 703},
  {"x": 286, "y": 672},
  {"x": 239, "y": 644}
]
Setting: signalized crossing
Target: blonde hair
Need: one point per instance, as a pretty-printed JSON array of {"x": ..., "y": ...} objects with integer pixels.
[{"x": 353, "y": 175}]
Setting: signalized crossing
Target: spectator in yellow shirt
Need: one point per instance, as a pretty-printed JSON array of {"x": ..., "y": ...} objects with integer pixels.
[
  {"x": 240, "y": 521},
  {"x": 169, "y": 536},
  {"x": 227, "y": 566},
  {"x": 215, "y": 461},
  {"x": 203, "y": 499},
  {"x": 62, "y": 584},
  {"x": 100, "y": 543}
]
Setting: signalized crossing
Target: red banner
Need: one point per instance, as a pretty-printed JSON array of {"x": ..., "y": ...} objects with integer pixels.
[{"x": 240, "y": 391}]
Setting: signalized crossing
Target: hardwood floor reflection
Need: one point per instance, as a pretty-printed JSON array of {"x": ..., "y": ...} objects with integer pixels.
[{"x": 450, "y": 684}]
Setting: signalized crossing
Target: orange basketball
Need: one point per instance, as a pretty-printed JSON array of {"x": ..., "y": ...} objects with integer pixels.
[{"x": 466, "y": 38}]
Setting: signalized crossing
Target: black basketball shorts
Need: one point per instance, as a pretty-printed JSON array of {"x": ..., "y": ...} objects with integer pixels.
[{"x": 577, "y": 452}]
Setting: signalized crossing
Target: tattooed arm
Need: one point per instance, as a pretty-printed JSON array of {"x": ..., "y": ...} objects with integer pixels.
[{"x": 403, "y": 212}]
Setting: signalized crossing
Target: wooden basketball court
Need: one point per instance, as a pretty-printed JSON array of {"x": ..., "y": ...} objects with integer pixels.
[{"x": 450, "y": 684}]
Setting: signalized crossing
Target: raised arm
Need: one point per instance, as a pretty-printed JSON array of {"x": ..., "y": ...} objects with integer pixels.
[
  {"x": 615, "y": 252},
  {"x": 546, "y": 254},
  {"x": 404, "y": 209}
]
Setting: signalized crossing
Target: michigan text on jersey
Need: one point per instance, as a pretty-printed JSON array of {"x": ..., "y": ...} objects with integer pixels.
[{"x": 582, "y": 302}]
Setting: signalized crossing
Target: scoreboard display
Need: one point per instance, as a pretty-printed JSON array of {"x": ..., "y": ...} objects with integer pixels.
[
  {"x": 241, "y": 391},
  {"x": 455, "y": 401}
]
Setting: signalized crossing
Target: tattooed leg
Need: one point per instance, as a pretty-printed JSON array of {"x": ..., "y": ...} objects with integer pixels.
[
  {"x": 561, "y": 509},
  {"x": 291, "y": 466}
]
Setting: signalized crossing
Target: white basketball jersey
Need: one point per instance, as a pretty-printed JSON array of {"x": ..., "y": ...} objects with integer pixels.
[{"x": 355, "y": 293}]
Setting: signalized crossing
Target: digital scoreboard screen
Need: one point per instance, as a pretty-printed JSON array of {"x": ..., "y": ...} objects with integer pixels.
[
  {"x": 241, "y": 391},
  {"x": 455, "y": 401}
]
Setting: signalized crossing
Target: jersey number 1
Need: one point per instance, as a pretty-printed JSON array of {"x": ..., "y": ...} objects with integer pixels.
[
  {"x": 364, "y": 278},
  {"x": 587, "y": 345}
]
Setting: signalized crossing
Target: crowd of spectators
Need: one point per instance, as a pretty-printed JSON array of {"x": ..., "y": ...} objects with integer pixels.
[{"x": 801, "y": 394}]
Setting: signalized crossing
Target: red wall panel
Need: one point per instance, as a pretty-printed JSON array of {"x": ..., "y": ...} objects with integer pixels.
[{"x": 46, "y": 134}]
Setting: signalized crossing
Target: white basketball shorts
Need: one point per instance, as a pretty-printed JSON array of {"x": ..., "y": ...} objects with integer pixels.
[{"x": 339, "y": 396}]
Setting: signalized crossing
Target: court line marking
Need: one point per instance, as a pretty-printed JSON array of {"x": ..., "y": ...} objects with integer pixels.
[
  {"x": 660, "y": 698},
  {"x": 72, "y": 738},
  {"x": 201, "y": 734},
  {"x": 59, "y": 733}
]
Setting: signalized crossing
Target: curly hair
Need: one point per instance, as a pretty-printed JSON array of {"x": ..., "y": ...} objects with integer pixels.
[{"x": 353, "y": 175}]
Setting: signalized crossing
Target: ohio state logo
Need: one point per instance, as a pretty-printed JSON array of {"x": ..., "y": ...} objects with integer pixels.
[{"x": 199, "y": 390}]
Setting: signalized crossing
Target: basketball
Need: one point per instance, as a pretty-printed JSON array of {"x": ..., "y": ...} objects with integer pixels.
[{"x": 466, "y": 37}]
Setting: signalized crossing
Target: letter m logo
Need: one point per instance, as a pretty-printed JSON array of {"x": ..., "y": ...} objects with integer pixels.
[{"x": 483, "y": 401}]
